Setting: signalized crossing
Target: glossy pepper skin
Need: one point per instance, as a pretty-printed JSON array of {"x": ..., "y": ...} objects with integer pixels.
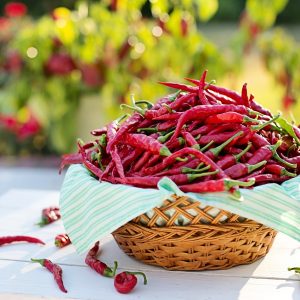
[
  {"x": 126, "y": 281},
  {"x": 97, "y": 265},
  {"x": 49, "y": 215},
  {"x": 62, "y": 240}
]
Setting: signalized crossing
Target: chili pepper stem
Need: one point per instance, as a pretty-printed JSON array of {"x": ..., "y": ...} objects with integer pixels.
[
  {"x": 287, "y": 173},
  {"x": 261, "y": 126},
  {"x": 111, "y": 272},
  {"x": 206, "y": 146},
  {"x": 192, "y": 177},
  {"x": 135, "y": 108},
  {"x": 40, "y": 261},
  {"x": 229, "y": 183},
  {"x": 189, "y": 170},
  {"x": 218, "y": 149},
  {"x": 238, "y": 156},
  {"x": 251, "y": 168},
  {"x": 139, "y": 273},
  {"x": 164, "y": 151}
]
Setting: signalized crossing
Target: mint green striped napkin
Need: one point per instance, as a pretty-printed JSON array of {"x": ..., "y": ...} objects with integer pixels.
[{"x": 91, "y": 210}]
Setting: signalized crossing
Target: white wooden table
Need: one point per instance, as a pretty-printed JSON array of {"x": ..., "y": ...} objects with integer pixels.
[{"x": 21, "y": 279}]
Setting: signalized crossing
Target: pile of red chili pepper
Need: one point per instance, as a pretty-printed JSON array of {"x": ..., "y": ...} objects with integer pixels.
[{"x": 204, "y": 137}]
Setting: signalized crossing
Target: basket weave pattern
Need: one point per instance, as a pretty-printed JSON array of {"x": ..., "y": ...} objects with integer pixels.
[{"x": 207, "y": 242}]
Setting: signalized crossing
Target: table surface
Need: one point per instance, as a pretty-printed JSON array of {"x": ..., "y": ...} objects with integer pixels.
[{"x": 20, "y": 279}]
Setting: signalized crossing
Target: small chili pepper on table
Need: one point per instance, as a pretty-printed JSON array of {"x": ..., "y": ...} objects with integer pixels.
[
  {"x": 54, "y": 269},
  {"x": 49, "y": 215},
  {"x": 126, "y": 281},
  {"x": 62, "y": 240},
  {"x": 97, "y": 265},
  {"x": 19, "y": 238}
]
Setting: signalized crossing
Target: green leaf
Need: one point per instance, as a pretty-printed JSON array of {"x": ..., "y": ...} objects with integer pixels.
[
  {"x": 206, "y": 9},
  {"x": 288, "y": 127}
]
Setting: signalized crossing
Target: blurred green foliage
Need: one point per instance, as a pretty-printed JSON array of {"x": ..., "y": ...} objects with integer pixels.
[{"x": 113, "y": 49}]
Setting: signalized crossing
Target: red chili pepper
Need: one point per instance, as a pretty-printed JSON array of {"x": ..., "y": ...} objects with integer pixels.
[
  {"x": 19, "y": 238},
  {"x": 202, "y": 97},
  {"x": 97, "y": 265},
  {"x": 279, "y": 170},
  {"x": 129, "y": 124},
  {"x": 126, "y": 281},
  {"x": 49, "y": 215},
  {"x": 180, "y": 86},
  {"x": 241, "y": 170},
  {"x": 190, "y": 140},
  {"x": 266, "y": 152},
  {"x": 217, "y": 138},
  {"x": 160, "y": 127},
  {"x": 145, "y": 142},
  {"x": 229, "y": 117},
  {"x": 219, "y": 185},
  {"x": 142, "y": 161},
  {"x": 230, "y": 159},
  {"x": 231, "y": 94},
  {"x": 185, "y": 151},
  {"x": 70, "y": 159},
  {"x": 54, "y": 269},
  {"x": 214, "y": 152},
  {"x": 255, "y": 173},
  {"x": 264, "y": 178},
  {"x": 257, "y": 107},
  {"x": 203, "y": 111},
  {"x": 62, "y": 240},
  {"x": 219, "y": 97},
  {"x": 168, "y": 116},
  {"x": 259, "y": 141},
  {"x": 245, "y": 95},
  {"x": 180, "y": 167},
  {"x": 100, "y": 131}
]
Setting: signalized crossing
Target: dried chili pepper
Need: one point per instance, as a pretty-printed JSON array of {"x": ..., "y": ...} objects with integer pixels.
[
  {"x": 126, "y": 281},
  {"x": 19, "y": 238},
  {"x": 49, "y": 215},
  {"x": 62, "y": 240},
  {"x": 70, "y": 159},
  {"x": 97, "y": 265},
  {"x": 54, "y": 269}
]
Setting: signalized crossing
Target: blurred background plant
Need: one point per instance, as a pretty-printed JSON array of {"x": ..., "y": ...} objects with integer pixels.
[{"x": 66, "y": 71}]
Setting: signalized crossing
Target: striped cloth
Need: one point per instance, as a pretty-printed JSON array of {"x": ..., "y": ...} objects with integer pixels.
[{"x": 91, "y": 210}]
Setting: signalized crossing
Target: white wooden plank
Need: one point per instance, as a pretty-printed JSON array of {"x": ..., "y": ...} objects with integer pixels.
[{"x": 83, "y": 283}]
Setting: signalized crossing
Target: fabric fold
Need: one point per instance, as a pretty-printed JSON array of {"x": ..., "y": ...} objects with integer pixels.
[{"x": 91, "y": 210}]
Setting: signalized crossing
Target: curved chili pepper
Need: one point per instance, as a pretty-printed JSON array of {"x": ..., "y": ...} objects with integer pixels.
[
  {"x": 126, "y": 281},
  {"x": 62, "y": 240},
  {"x": 145, "y": 142},
  {"x": 19, "y": 238},
  {"x": 219, "y": 97},
  {"x": 69, "y": 159},
  {"x": 240, "y": 169},
  {"x": 54, "y": 269},
  {"x": 263, "y": 178},
  {"x": 168, "y": 116},
  {"x": 97, "y": 265},
  {"x": 129, "y": 124},
  {"x": 100, "y": 131},
  {"x": 202, "y": 97},
  {"x": 231, "y": 94},
  {"x": 257, "y": 107}
]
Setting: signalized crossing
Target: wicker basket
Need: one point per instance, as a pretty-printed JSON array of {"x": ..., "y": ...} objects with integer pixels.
[{"x": 212, "y": 238}]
